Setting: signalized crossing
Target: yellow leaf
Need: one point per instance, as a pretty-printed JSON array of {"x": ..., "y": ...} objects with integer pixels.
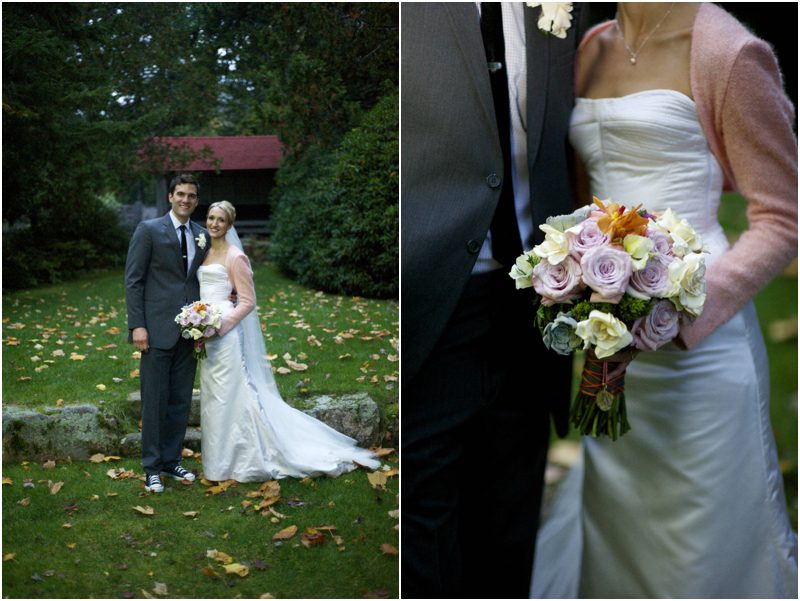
[
  {"x": 236, "y": 568},
  {"x": 134, "y": 373},
  {"x": 160, "y": 589},
  {"x": 388, "y": 549},
  {"x": 283, "y": 370},
  {"x": 7, "y": 481},
  {"x": 112, "y": 494},
  {"x": 297, "y": 366},
  {"x": 190, "y": 514},
  {"x": 97, "y": 458},
  {"x": 377, "y": 479},
  {"x": 219, "y": 556},
  {"x": 113, "y": 331},
  {"x": 286, "y": 533},
  {"x": 146, "y": 510},
  {"x": 100, "y": 387},
  {"x": 71, "y": 546},
  {"x": 25, "y": 502},
  {"x": 380, "y": 451},
  {"x": 76, "y": 357},
  {"x": 49, "y": 465},
  {"x": 59, "y": 402},
  {"x": 54, "y": 488},
  {"x": 66, "y": 525},
  {"x": 9, "y": 556}
]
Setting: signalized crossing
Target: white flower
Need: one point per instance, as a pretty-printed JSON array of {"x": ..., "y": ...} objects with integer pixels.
[
  {"x": 522, "y": 271},
  {"x": 687, "y": 283},
  {"x": 201, "y": 241},
  {"x": 555, "y": 247},
  {"x": 684, "y": 238},
  {"x": 556, "y": 17},
  {"x": 607, "y": 333}
]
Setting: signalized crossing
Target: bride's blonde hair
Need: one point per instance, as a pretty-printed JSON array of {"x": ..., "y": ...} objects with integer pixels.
[{"x": 225, "y": 207}]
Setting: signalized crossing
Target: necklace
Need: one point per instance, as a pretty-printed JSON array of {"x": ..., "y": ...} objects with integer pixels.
[{"x": 639, "y": 49}]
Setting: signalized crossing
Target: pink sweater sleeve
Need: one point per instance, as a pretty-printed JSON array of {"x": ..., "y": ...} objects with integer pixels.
[
  {"x": 241, "y": 276},
  {"x": 753, "y": 126}
]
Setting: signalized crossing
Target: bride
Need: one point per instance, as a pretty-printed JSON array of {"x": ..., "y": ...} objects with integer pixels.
[
  {"x": 249, "y": 433},
  {"x": 673, "y": 102}
]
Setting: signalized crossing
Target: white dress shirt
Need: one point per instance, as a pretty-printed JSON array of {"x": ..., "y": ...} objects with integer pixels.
[{"x": 517, "y": 75}]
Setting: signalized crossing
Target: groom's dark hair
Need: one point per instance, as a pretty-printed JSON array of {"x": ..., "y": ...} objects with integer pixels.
[{"x": 184, "y": 178}]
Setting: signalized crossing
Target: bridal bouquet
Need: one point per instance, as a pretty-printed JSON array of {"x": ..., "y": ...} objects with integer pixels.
[
  {"x": 199, "y": 321},
  {"x": 611, "y": 279}
]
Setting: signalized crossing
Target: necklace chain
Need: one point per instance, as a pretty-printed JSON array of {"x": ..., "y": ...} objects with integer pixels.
[{"x": 633, "y": 54}]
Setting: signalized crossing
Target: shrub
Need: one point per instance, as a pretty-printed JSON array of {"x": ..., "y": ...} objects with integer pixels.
[{"x": 336, "y": 213}]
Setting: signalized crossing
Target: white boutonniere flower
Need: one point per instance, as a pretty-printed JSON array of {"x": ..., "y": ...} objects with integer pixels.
[
  {"x": 556, "y": 17},
  {"x": 201, "y": 241}
]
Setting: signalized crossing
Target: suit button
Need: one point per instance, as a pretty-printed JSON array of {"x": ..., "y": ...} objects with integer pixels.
[
  {"x": 474, "y": 247},
  {"x": 494, "y": 180}
]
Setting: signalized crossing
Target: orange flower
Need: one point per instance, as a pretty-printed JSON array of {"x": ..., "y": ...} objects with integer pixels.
[
  {"x": 199, "y": 307},
  {"x": 618, "y": 223}
]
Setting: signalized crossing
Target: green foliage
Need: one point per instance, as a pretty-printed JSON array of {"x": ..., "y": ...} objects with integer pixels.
[
  {"x": 336, "y": 213},
  {"x": 630, "y": 309}
]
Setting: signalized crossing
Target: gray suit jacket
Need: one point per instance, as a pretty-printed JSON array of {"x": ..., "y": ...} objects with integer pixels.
[
  {"x": 155, "y": 286},
  {"x": 450, "y": 147}
]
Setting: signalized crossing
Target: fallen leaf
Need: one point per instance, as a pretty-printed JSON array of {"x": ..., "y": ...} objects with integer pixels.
[
  {"x": 66, "y": 525},
  {"x": 71, "y": 546},
  {"x": 281, "y": 370},
  {"x": 210, "y": 572},
  {"x": 380, "y": 451},
  {"x": 388, "y": 549},
  {"x": 25, "y": 502},
  {"x": 146, "y": 510},
  {"x": 219, "y": 556},
  {"x": 49, "y": 465},
  {"x": 312, "y": 538},
  {"x": 100, "y": 387},
  {"x": 236, "y": 568},
  {"x": 113, "y": 331},
  {"x": 377, "y": 479},
  {"x": 9, "y": 556},
  {"x": 54, "y": 487},
  {"x": 59, "y": 402},
  {"x": 97, "y": 458},
  {"x": 7, "y": 481},
  {"x": 285, "y": 534},
  {"x": 76, "y": 357},
  {"x": 190, "y": 514},
  {"x": 160, "y": 589}
]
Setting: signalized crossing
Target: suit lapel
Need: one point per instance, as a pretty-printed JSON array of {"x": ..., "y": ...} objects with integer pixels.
[
  {"x": 465, "y": 24},
  {"x": 199, "y": 253},
  {"x": 537, "y": 45}
]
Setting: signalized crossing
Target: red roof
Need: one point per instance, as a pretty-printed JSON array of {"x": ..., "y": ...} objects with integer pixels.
[{"x": 232, "y": 152}]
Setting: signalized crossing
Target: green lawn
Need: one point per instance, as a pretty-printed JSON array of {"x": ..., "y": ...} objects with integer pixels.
[
  {"x": 88, "y": 541},
  {"x": 67, "y": 344}
]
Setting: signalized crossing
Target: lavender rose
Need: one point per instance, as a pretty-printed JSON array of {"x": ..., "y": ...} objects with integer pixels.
[
  {"x": 590, "y": 236},
  {"x": 652, "y": 281},
  {"x": 662, "y": 246},
  {"x": 656, "y": 328},
  {"x": 606, "y": 270},
  {"x": 559, "y": 283}
]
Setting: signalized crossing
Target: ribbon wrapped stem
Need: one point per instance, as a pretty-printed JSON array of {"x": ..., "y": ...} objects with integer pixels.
[{"x": 599, "y": 406}]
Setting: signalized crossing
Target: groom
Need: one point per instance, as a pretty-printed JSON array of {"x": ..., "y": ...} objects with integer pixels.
[
  {"x": 160, "y": 278},
  {"x": 486, "y": 104}
]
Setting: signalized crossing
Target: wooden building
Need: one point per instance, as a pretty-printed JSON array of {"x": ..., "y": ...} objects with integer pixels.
[{"x": 239, "y": 169}]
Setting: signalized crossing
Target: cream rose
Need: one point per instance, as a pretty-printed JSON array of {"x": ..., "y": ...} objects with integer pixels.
[
  {"x": 687, "y": 283},
  {"x": 604, "y": 332},
  {"x": 555, "y": 247},
  {"x": 684, "y": 239},
  {"x": 522, "y": 270}
]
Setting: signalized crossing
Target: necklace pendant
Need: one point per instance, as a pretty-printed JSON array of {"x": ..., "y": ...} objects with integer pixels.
[{"x": 633, "y": 60}]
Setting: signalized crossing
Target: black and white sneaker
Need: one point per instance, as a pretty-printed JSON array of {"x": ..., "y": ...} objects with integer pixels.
[
  {"x": 178, "y": 473},
  {"x": 153, "y": 483}
]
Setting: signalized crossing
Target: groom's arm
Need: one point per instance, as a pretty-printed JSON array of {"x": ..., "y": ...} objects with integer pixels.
[{"x": 136, "y": 267}]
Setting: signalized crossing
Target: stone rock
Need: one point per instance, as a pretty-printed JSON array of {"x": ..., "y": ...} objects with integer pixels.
[
  {"x": 131, "y": 444},
  {"x": 355, "y": 415},
  {"x": 76, "y": 431},
  {"x": 135, "y": 400}
]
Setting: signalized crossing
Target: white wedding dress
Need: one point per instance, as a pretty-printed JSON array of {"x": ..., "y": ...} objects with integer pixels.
[
  {"x": 690, "y": 502},
  {"x": 249, "y": 433}
]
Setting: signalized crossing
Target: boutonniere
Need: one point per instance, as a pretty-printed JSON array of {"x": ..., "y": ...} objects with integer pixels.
[
  {"x": 556, "y": 17},
  {"x": 201, "y": 241}
]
